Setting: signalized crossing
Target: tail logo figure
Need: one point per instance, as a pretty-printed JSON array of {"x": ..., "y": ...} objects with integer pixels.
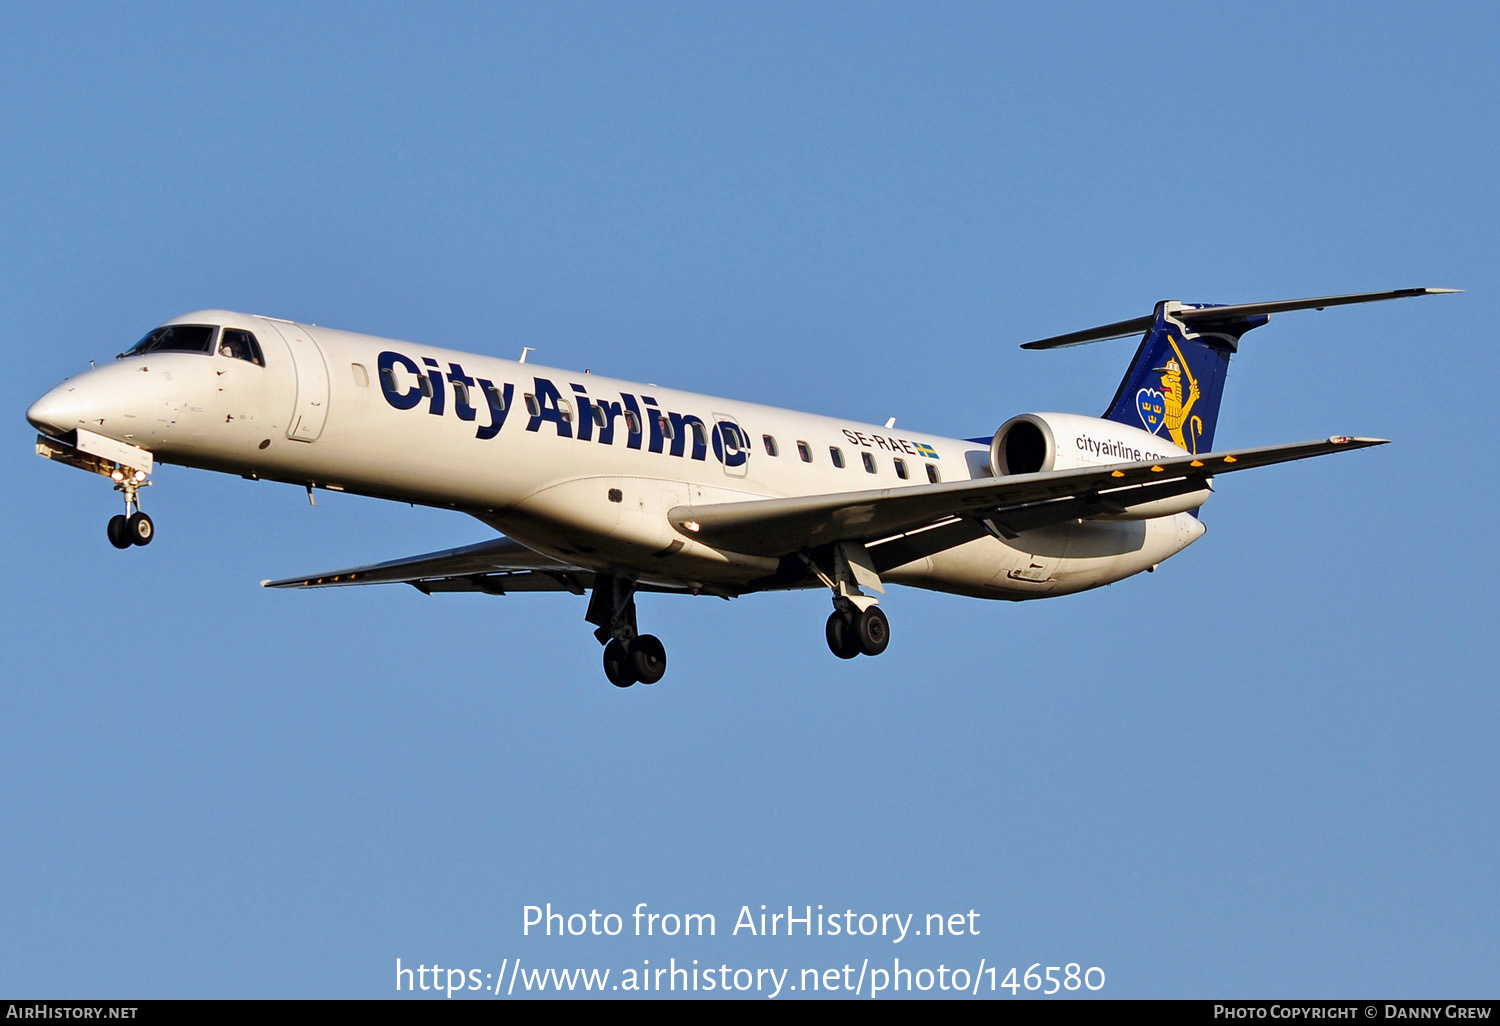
[
  {"x": 1167, "y": 406},
  {"x": 1177, "y": 410}
]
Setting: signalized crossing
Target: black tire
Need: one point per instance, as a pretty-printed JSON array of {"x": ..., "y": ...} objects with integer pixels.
[
  {"x": 648, "y": 657},
  {"x": 617, "y": 665},
  {"x": 140, "y": 529},
  {"x": 119, "y": 532},
  {"x": 873, "y": 631},
  {"x": 841, "y": 639}
]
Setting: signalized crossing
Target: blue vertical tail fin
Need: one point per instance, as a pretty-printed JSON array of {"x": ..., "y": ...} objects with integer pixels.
[{"x": 1173, "y": 386}]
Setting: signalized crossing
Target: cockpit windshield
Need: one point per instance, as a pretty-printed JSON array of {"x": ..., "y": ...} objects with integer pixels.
[{"x": 176, "y": 338}]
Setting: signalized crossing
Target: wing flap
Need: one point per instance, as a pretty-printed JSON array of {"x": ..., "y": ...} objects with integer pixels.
[{"x": 777, "y": 527}]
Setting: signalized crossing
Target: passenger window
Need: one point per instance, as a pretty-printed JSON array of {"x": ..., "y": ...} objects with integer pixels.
[
  {"x": 901, "y": 469},
  {"x": 664, "y": 425},
  {"x": 361, "y": 376},
  {"x": 805, "y": 451},
  {"x": 837, "y": 455},
  {"x": 242, "y": 346},
  {"x": 770, "y": 444},
  {"x": 461, "y": 393},
  {"x": 700, "y": 440},
  {"x": 733, "y": 440},
  {"x": 869, "y": 462},
  {"x": 932, "y": 474},
  {"x": 496, "y": 397},
  {"x": 565, "y": 411},
  {"x": 532, "y": 406},
  {"x": 632, "y": 422},
  {"x": 601, "y": 418}
]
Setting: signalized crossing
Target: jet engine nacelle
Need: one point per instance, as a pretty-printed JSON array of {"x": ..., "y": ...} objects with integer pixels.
[{"x": 1039, "y": 442}]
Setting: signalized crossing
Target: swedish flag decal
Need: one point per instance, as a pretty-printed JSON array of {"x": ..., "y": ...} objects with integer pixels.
[{"x": 926, "y": 450}]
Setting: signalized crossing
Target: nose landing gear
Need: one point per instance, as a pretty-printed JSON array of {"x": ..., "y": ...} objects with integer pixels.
[
  {"x": 133, "y": 527},
  {"x": 128, "y": 466}
]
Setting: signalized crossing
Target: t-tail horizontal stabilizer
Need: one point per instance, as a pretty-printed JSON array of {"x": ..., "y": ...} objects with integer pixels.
[{"x": 1194, "y": 315}]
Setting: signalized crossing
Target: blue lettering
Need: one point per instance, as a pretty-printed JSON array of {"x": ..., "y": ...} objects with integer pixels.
[
  {"x": 733, "y": 453},
  {"x": 681, "y": 425},
  {"x": 653, "y": 419},
  {"x": 400, "y": 400},
  {"x": 585, "y": 413},
  {"x": 461, "y": 395},
  {"x": 435, "y": 403},
  {"x": 549, "y": 409},
  {"x": 611, "y": 411},
  {"x": 499, "y": 404},
  {"x": 651, "y": 424},
  {"x": 632, "y": 422}
]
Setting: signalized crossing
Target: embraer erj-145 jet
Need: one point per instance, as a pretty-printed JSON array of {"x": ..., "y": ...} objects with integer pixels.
[{"x": 609, "y": 488}]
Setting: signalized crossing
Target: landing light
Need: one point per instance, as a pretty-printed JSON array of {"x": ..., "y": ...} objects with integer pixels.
[
  {"x": 692, "y": 525},
  {"x": 117, "y": 475}
]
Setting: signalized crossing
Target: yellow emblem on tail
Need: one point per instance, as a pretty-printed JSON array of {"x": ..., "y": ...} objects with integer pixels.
[{"x": 1177, "y": 411}]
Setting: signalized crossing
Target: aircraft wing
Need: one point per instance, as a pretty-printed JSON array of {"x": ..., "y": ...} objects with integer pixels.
[
  {"x": 494, "y": 567},
  {"x": 778, "y": 527}
]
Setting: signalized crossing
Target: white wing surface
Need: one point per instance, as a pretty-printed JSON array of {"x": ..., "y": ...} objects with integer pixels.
[{"x": 777, "y": 527}]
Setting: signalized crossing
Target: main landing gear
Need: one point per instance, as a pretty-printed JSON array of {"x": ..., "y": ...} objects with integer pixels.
[
  {"x": 856, "y": 626},
  {"x": 133, "y": 527},
  {"x": 629, "y": 656}
]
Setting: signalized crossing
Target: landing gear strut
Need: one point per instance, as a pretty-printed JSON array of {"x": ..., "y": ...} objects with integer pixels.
[{"x": 629, "y": 656}]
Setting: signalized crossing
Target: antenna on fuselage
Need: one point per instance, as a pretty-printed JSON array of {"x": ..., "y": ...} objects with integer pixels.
[
  {"x": 524, "y": 351},
  {"x": 891, "y": 423}
]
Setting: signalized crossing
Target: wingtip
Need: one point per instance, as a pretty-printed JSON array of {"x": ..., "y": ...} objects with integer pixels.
[
  {"x": 1441, "y": 292},
  {"x": 266, "y": 583}
]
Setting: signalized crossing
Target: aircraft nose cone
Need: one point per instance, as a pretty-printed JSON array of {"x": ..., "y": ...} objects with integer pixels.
[{"x": 57, "y": 412}]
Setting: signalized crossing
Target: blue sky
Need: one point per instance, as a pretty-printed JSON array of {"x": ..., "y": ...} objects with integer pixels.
[{"x": 1267, "y": 770}]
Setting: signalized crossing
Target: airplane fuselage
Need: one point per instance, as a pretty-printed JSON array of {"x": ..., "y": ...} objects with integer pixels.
[{"x": 578, "y": 466}]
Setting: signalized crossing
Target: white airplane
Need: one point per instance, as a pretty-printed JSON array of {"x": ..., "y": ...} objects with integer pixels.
[{"x": 609, "y": 488}]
